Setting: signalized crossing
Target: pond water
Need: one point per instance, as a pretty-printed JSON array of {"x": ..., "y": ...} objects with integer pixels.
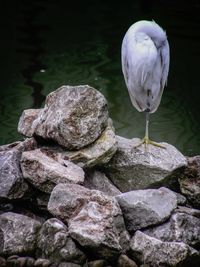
[{"x": 46, "y": 44}]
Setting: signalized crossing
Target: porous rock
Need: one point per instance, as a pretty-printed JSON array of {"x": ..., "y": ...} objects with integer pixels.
[
  {"x": 98, "y": 153},
  {"x": 180, "y": 228},
  {"x": 156, "y": 253},
  {"x": 94, "y": 219},
  {"x": 19, "y": 233},
  {"x": 44, "y": 171},
  {"x": 138, "y": 167},
  {"x": 190, "y": 181},
  {"x": 62, "y": 247},
  {"x": 73, "y": 116},
  {"x": 142, "y": 208},
  {"x": 12, "y": 184},
  {"x": 98, "y": 180}
]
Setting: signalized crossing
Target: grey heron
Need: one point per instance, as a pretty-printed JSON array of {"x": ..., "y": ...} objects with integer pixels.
[{"x": 145, "y": 66}]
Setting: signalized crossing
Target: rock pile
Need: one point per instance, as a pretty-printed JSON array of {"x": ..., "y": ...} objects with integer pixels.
[{"x": 74, "y": 194}]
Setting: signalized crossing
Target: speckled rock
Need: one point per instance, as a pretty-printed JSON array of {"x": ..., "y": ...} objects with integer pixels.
[
  {"x": 73, "y": 116},
  {"x": 62, "y": 247},
  {"x": 98, "y": 153},
  {"x": 94, "y": 219},
  {"x": 142, "y": 208},
  {"x": 156, "y": 253},
  {"x": 98, "y": 180},
  {"x": 180, "y": 228},
  {"x": 44, "y": 171},
  {"x": 19, "y": 233},
  {"x": 12, "y": 184},
  {"x": 138, "y": 168},
  {"x": 190, "y": 181}
]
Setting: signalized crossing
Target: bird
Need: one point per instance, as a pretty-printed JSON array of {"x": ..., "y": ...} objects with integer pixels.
[{"x": 145, "y": 60}]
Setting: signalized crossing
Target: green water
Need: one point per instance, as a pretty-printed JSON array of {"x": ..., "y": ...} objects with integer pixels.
[{"x": 46, "y": 45}]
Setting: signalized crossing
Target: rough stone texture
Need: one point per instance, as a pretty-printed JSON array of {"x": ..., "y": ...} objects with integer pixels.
[
  {"x": 124, "y": 261},
  {"x": 19, "y": 233},
  {"x": 142, "y": 208},
  {"x": 69, "y": 264},
  {"x": 180, "y": 228},
  {"x": 94, "y": 219},
  {"x": 155, "y": 253},
  {"x": 138, "y": 168},
  {"x": 62, "y": 247},
  {"x": 190, "y": 181},
  {"x": 98, "y": 153},
  {"x": 96, "y": 263},
  {"x": 189, "y": 211},
  {"x": 98, "y": 180},
  {"x": 181, "y": 200},
  {"x": 44, "y": 172},
  {"x": 73, "y": 116},
  {"x": 12, "y": 184},
  {"x": 26, "y": 120}
]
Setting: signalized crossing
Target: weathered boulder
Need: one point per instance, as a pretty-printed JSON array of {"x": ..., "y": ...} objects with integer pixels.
[
  {"x": 12, "y": 184},
  {"x": 138, "y": 168},
  {"x": 190, "y": 181},
  {"x": 97, "y": 153},
  {"x": 73, "y": 116},
  {"x": 55, "y": 244},
  {"x": 156, "y": 253},
  {"x": 142, "y": 208},
  {"x": 44, "y": 171},
  {"x": 98, "y": 180},
  {"x": 94, "y": 219},
  {"x": 180, "y": 228},
  {"x": 19, "y": 233}
]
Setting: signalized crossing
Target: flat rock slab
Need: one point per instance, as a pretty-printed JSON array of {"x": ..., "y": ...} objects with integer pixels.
[
  {"x": 12, "y": 184},
  {"x": 94, "y": 219},
  {"x": 142, "y": 208},
  {"x": 19, "y": 234},
  {"x": 73, "y": 116},
  {"x": 190, "y": 181},
  {"x": 55, "y": 244},
  {"x": 181, "y": 227},
  {"x": 138, "y": 168},
  {"x": 155, "y": 253},
  {"x": 42, "y": 169}
]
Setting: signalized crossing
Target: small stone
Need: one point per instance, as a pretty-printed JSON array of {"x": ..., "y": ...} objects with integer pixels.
[
  {"x": 142, "y": 208},
  {"x": 2, "y": 262},
  {"x": 181, "y": 200},
  {"x": 19, "y": 233},
  {"x": 190, "y": 181},
  {"x": 125, "y": 261},
  {"x": 156, "y": 253},
  {"x": 44, "y": 171},
  {"x": 42, "y": 263},
  {"x": 98, "y": 181},
  {"x": 30, "y": 262},
  {"x": 136, "y": 168},
  {"x": 189, "y": 211},
  {"x": 97, "y": 263},
  {"x": 68, "y": 264},
  {"x": 26, "y": 120}
]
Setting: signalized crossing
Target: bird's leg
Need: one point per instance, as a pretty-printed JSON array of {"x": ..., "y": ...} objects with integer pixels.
[{"x": 146, "y": 139}]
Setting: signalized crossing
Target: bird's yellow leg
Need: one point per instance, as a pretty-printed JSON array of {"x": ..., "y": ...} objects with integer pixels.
[{"x": 146, "y": 141}]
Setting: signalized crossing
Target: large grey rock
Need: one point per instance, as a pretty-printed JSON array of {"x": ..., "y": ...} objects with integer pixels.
[
  {"x": 98, "y": 153},
  {"x": 12, "y": 184},
  {"x": 142, "y": 208},
  {"x": 156, "y": 253},
  {"x": 44, "y": 171},
  {"x": 73, "y": 116},
  {"x": 94, "y": 219},
  {"x": 138, "y": 168},
  {"x": 55, "y": 244},
  {"x": 190, "y": 181},
  {"x": 180, "y": 228},
  {"x": 19, "y": 233},
  {"x": 98, "y": 180}
]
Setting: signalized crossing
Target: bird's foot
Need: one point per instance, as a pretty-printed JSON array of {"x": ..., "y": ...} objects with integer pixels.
[{"x": 146, "y": 141}]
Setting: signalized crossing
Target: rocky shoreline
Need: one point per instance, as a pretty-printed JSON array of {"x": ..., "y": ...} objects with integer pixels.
[{"x": 73, "y": 193}]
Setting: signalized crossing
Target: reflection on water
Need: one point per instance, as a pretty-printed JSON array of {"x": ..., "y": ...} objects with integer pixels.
[{"x": 58, "y": 44}]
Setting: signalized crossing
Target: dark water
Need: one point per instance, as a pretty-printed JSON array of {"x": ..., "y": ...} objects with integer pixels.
[{"x": 46, "y": 44}]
